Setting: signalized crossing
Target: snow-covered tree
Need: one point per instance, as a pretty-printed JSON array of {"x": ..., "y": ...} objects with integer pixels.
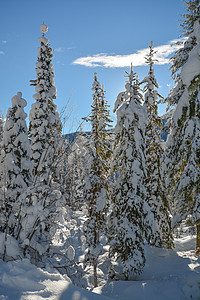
[
  {"x": 182, "y": 154},
  {"x": 105, "y": 135},
  {"x": 131, "y": 219},
  {"x": 16, "y": 167},
  {"x": 190, "y": 17},
  {"x": 181, "y": 55},
  {"x": 75, "y": 164},
  {"x": 1, "y": 127},
  {"x": 45, "y": 125},
  {"x": 2, "y": 120},
  {"x": 43, "y": 203},
  {"x": 96, "y": 186},
  {"x": 44, "y": 210},
  {"x": 154, "y": 183}
]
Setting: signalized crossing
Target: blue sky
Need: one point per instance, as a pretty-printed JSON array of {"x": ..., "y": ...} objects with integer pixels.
[{"x": 87, "y": 36}]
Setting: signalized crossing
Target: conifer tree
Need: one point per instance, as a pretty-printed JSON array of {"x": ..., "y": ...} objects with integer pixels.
[
  {"x": 1, "y": 137},
  {"x": 105, "y": 135},
  {"x": 181, "y": 55},
  {"x": 16, "y": 167},
  {"x": 45, "y": 124},
  {"x": 154, "y": 183},
  {"x": 44, "y": 203},
  {"x": 182, "y": 154},
  {"x": 96, "y": 187},
  {"x": 190, "y": 17},
  {"x": 76, "y": 162},
  {"x": 1, "y": 127},
  {"x": 130, "y": 219}
]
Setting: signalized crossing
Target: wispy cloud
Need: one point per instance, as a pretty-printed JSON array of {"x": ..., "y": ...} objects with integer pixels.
[
  {"x": 137, "y": 58},
  {"x": 62, "y": 49},
  {"x": 2, "y": 53},
  {"x": 4, "y": 42}
]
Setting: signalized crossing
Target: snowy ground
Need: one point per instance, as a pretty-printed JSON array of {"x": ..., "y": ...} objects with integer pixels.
[
  {"x": 167, "y": 275},
  {"x": 22, "y": 280}
]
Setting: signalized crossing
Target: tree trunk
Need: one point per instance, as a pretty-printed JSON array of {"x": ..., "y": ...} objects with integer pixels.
[
  {"x": 95, "y": 275},
  {"x": 198, "y": 237}
]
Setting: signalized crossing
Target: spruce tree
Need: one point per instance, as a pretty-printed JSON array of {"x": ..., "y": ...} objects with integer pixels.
[
  {"x": 44, "y": 203},
  {"x": 16, "y": 166},
  {"x": 1, "y": 137},
  {"x": 190, "y": 17},
  {"x": 96, "y": 186},
  {"x": 154, "y": 183},
  {"x": 76, "y": 162},
  {"x": 45, "y": 124},
  {"x": 182, "y": 154},
  {"x": 105, "y": 132},
  {"x": 1, "y": 127},
  {"x": 181, "y": 55},
  {"x": 130, "y": 219}
]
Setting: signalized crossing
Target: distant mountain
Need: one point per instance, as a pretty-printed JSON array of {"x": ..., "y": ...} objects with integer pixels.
[
  {"x": 166, "y": 118},
  {"x": 72, "y": 136}
]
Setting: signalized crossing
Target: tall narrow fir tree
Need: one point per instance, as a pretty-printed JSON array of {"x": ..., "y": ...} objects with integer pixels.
[
  {"x": 154, "y": 182},
  {"x": 130, "y": 219},
  {"x": 45, "y": 124},
  {"x": 96, "y": 187}
]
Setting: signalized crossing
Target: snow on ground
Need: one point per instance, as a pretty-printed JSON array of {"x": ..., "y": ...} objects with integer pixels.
[
  {"x": 168, "y": 275},
  {"x": 22, "y": 280}
]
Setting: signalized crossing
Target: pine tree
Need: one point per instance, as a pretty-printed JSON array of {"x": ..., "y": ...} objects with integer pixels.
[
  {"x": 1, "y": 137},
  {"x": 190, "y": 17},
  {"x": 96, "y": 187},
  {"x": 181, "y": 55},
  {"x": 129, "y": 221},
  {"x": 16, "y": 167},
  {"x": 45, "y": 125},
  {"x": 182, "y": 154},
  {"x": 74, "y": 174},
  {"x": 1, "y": 127},
  {"x": 44, "y": 203},
  {"x": 154, "y": 183},
  {"x": 105, "y": 132}
]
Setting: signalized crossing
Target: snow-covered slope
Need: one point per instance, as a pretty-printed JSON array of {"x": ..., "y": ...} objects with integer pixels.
[
  {"x": 22, "y": 280},
  {"x": 168, "y": 275}
]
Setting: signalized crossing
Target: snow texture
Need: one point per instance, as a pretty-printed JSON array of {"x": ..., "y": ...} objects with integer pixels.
[
  {"x": 168, "y": 274},
  {"x": 192, "y": 67},
  {"x": 10, "y": 245}
]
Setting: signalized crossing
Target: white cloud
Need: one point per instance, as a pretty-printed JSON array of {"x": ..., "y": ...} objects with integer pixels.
[
  {"x": 1, "y": 53},
  {"x": 137, "y": 58},
  {"x": 4, "y": 42},
  {"x": 59, "y": 49},
  {"x": 62, "y": 49}
]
